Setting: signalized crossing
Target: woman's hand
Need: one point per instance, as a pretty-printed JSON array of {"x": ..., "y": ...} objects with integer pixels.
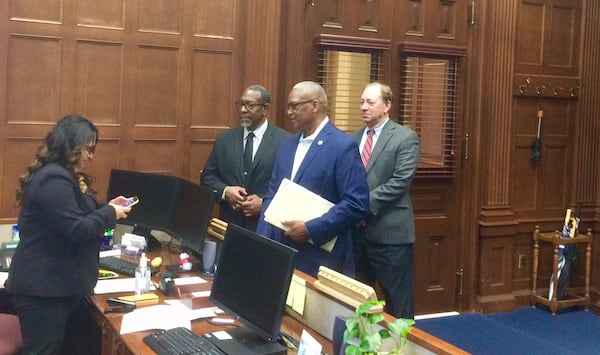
[{"x": 120, "y": 210}]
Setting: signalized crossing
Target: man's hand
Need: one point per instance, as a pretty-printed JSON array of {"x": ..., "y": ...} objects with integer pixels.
[
  {"x": 251, "y": 206},
  {"x": 297, "y": 231},
  {"x": 235, "y": 195}
]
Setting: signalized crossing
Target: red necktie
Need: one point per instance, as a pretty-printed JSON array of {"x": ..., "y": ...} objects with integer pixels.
[{"x": 366, "y": 152}]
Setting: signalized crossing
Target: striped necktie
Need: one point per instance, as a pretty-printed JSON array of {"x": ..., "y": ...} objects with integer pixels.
[{"x": 366, "y": 151}]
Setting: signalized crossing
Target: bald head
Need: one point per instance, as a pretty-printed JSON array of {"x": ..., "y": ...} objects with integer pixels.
[
  {"x": 311, "y": 90},
  {"x": 307, "y": 106}
]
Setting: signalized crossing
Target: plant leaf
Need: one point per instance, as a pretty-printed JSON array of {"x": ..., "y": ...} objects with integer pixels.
[
  {"x": 353, "y": 350},
  {"x": 401, "y": 326},
  {"x": 374, "y": 318},
  {"x": 370, "y": 342},
  {"x": 384, "y": 333},
  {"x": 352, "y": 323},
  {"x": 350, "y": 333}
]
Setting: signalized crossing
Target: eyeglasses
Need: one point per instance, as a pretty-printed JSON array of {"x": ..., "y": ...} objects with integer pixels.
[
  {"x": 293, "y": 106},
  {"x": 90, "y": 149},
  {"x": 248, "y": 105}
]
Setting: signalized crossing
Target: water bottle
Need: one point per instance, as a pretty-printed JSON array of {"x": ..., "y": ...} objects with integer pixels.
[
  {"x": 15, "y": 233},
  {"x": 142, "y": 276}
]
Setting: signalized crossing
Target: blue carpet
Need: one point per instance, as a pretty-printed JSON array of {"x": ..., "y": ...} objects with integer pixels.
[{"x": 524, "y": 331}]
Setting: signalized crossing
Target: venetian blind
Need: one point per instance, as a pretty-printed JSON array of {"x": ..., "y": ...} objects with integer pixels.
[
  {"x": 344, "y": 75},
  {"x": 428, "y": 104}
]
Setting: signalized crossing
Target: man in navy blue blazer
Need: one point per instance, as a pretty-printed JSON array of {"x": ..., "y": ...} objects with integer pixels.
[{"x": 326, "y": 161}]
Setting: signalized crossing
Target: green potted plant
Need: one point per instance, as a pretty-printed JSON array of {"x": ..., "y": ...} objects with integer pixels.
[{"x": 363, "y": 335}]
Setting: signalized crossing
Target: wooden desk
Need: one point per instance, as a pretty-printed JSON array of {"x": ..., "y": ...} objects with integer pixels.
[
  {"x": 133, "y": 343},
  {"x": 114, "y": 343},
  {"x": 316, "y": 319}
]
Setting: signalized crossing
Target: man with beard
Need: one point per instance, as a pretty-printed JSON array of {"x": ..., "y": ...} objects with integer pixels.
[{"x": 240, "y": 165}]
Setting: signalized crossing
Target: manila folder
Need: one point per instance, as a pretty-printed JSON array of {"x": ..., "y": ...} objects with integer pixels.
[{"x": 293, "y": 202}]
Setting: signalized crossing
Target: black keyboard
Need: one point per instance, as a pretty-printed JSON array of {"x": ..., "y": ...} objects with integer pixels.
[
  {"x": 178, "y": 341},
  {"x": 122, "y": 266}
]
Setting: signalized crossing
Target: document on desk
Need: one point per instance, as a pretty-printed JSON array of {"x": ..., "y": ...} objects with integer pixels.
[
  {"x": 155, "y": 317},
  {"x": 117, "y": 285},
  {"x": 297, "y": 294},
  {"x": 295, "y": 202}
]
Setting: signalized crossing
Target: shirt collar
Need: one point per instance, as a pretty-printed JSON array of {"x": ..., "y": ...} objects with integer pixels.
[
  {"x": 259, "y": 131},
  {"x": 316, "y": 132},
  {"x": 378, "y": 128}
]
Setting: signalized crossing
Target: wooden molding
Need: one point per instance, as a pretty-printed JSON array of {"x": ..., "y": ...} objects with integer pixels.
[{"x": 351, "y": 43}]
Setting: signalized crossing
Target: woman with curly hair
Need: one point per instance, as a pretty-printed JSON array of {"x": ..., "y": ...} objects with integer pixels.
[{"x": 55, "y": 264}]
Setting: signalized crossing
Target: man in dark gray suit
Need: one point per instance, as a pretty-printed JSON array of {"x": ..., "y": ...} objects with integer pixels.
[
  {"x": 239, "y": 167},
  {"x": 384, "y": 242}
]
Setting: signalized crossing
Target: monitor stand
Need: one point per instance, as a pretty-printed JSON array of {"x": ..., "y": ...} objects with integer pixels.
[
  {"x": 152, "y": 244},
  {"x": 245, "y": 341}
]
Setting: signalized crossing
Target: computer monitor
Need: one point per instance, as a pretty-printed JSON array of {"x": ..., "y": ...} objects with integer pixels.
[
  {"x": 190, "y": 215},
  {"x": 251, "y": 285},
  {"x": 167, "y": 203},
  {"x": 157, "y": 198}
]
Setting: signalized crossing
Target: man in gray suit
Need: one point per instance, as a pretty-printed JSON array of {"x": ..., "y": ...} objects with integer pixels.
[
  {"x": 384, "y": 242},
  {"x": 239, "y": 167}
]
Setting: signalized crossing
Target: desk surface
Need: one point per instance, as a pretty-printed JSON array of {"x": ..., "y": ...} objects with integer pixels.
[
  {"x": 134, "y": 341},
  {"x": 135, "y": 344}
]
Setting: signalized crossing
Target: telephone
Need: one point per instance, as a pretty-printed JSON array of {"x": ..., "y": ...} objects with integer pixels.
[{"x": 346, "y": 289}]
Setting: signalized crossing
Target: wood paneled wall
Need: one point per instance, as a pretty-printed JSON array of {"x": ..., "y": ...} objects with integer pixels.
[
  {"x": 159, "y": 77},
  {"x": 533, "y": 52}
]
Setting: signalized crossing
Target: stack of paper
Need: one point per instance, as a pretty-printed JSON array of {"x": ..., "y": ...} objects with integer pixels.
[{"x": 293, "y": 202}]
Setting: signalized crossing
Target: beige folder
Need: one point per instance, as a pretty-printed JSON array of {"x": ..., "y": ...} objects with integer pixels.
[{"x": 293, "y": 202}]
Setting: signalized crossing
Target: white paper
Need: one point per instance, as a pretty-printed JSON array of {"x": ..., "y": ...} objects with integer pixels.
[
  {"x": 309, "y": 345},
  {"x": 294, "y": 202},
  {"x": 180, "y": 281},
  {"x": 201, "y": 294},
  {"x": 154, "y": 317},
  {"x": 117, "y": 285},
  {"x": 222, "y": 335},
  {"x": 112, "y": 252},
  {"x": 192, "y": 314}
]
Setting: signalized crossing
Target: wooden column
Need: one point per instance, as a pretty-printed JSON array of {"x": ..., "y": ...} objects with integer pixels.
[
  {"x": 588, "y": 154},
  {"x": 497, "y": 105}
]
